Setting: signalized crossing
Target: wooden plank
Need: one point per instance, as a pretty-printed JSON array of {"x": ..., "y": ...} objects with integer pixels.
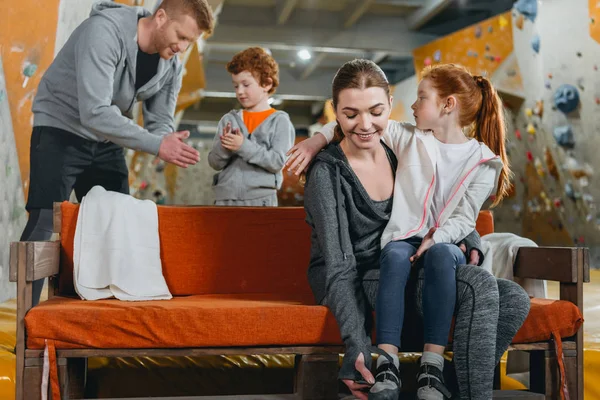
[
  {"x": 56, "y": 218},
  {"x": 316, "y": 376},
  {"x": 13, "y": 262},
  {"x": 584, "y": 256},
  {"x": 24, "y": 300},
  {"x": 42, "y": 259},
  {"x": 551, "y": 263},
  {"x": 235, "y": 397},
  {"x": 76, "y": 353},
  {"x": 567, "y": 345},
  {"x": 32, "y": 383},
  {"x": 299, "y": 350}
]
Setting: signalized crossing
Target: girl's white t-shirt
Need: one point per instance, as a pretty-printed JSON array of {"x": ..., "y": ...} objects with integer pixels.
[{"x": 451, "y": 161}]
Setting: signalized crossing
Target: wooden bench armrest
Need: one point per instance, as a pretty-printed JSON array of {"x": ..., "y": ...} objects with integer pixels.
[
  {"x": 40, "y": 259},
  {"x": 562, "y": 264}
]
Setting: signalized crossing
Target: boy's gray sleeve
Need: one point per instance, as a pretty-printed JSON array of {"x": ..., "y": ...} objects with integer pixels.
[
  {"x": 219, "y": 156},
  {"x": 159, "y": 110},
  {"x": 96, "y": 57},
  {"x": 271, "y": 159}
]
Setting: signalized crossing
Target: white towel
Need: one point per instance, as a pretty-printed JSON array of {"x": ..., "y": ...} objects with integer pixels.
[
  {"x": 500, "y": 252},
  {"x": 116, "y": 249}
]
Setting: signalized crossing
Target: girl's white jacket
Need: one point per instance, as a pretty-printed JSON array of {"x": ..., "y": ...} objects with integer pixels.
[{"x": 416, "y": 151}]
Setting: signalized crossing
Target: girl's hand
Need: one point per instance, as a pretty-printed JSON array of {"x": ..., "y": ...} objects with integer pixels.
[
  {"x": 425, "y": 245},
  {"x": 303, "y": 153}
]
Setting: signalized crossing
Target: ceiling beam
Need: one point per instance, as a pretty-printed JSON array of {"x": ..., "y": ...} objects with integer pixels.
[
  {"x": 283, "y": 10},
  {"x": 430, "y": 9},
  {"x": 239, "y": 46},
  {"x": 356, "y": 12},
  {"x": 398, "y": 40},
  {"x": 401, "y": 3},
  {"x": 312, "y": 65}
]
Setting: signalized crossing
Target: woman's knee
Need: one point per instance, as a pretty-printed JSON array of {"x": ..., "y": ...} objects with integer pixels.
[
  {"x": 477, "y": 283},
  {"x": 513, "y": 298}
]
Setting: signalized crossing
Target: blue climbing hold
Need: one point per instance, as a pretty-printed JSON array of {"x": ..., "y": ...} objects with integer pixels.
[
  {"x": 569, "y": 191},
  {"x": 564, "y": 136},
  {"x": 437, "y": 56},
  {"x": 535, "y": 43},
  {"x": 528, "y": 8},
  {"x": 566, "y": 98},
  {"x": 29, "y": 70}
]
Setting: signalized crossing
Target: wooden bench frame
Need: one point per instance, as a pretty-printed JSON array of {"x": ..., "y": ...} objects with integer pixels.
[{"x": 316, "y": 367}]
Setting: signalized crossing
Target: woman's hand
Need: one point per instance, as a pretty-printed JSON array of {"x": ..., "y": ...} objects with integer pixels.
[
  {"x": 425, "y": 245},
  {"x": 473, "y": 258},
  {"x": 303, "y": 153},
  {"x": 359, "y": 390}
]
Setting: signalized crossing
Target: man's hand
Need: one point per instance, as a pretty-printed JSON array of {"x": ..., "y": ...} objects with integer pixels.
[
  {"x": 173, "y": 150},
  {"x": 359, "y": 390},
  {"x": 473, "y": 258},
  {"x": 425, "y": 245},
  {"x": 232, "y": 139}
]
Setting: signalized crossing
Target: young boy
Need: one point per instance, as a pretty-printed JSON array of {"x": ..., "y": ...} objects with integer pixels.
[{"x": 250, "y": 145}]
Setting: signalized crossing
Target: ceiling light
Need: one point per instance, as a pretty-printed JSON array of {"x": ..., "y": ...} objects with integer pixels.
[{"x": 304, "y": 54}]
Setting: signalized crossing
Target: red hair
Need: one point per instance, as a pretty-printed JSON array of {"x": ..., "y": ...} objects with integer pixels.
[
  {"x": 259, "y": 63},
  {"x": 480, "y": 109}
]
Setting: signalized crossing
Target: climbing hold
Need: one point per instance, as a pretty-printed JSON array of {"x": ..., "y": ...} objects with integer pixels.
[
  {"x": 569, "y": 191},
  {"x": 535, "y": 43},
  {"x": 518, "y": 134},
  {"x": 579, "y": 54},
  {"x": 490, "y": 29},
  {"x": 549, "y": 76},
  {"x": 539, "y": 108},
  {"x": 580, "y": 83},
  {"x": 503, "y": 22},
  {"x": 529, "y": 156},
  {"x": 547, "y": 85},
  {"x": 566, "y": 98},
  {"x": 528, "y": 112},
  {"x": 427, "y": 61},
  {"x": 531, "y": 129},
  {"x": 29, "y": 69},
  {"x": 528, "y": 8},
  {"x": 437, "y": 56},
  {"x": 478, "y": 32},
  {"x": 550, "y": 164},
  {"x": 539, "y": 169},
  {"x": 519, "y": 21},
  {"x": 558, "y": 202}
]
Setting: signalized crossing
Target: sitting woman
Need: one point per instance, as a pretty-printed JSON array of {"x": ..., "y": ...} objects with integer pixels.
[{"x": 348, "y": 199}]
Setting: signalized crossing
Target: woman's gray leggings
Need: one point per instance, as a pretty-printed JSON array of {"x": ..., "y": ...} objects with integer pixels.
[{"x": 488, "y": 314}]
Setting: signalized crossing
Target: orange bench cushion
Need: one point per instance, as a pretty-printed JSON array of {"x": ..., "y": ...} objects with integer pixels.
[
  {"x": 240, "y": 320},
  {"x": 547, "y": 316}
]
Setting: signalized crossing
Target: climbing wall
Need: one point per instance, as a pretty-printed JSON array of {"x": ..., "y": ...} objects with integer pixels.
[
  {"x": 12, "y": 212},
  {"x": 553, "y": 139}
]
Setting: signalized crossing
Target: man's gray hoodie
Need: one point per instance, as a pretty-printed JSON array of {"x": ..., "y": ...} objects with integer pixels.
[
  {"x": 89, "y": 89},
  {"x": 254, "y": 171}
]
